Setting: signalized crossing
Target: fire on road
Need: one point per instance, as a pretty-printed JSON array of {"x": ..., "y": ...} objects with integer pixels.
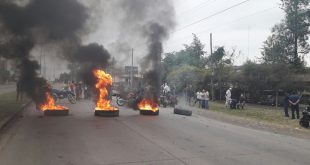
[{"x": 81, "y": 138}]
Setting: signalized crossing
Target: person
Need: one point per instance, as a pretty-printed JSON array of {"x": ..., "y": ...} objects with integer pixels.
[
  {"x": 286, "y": 104},
  {"x": 166, "y": 89},
  {"x": 206, "y": 99},
  {"x": 72, "y": 87},
  {"x": 294, "y": 100},
  {"x": 241, "y": 102},
  {"x": 228, "y": 97},
  {"x": 19, "y": 91},
  {"x": 190, "y": 93},
  {"x": 198, "y": 98}
]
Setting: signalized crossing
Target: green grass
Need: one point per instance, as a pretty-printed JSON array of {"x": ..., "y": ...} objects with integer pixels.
[
  {"x": 9, "y": 105},
  {"x": 257, "y": 112}
]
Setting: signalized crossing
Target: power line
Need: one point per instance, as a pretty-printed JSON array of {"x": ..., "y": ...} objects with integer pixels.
[
  {"x": 236, "y": 20},
  {"x": 210, "y": 16},
  {"x": 197, "y": 6}
]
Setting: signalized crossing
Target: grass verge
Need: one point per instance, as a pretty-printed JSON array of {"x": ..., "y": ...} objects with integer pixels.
[
  {"x": 8, "y": 104},
  {"x": 260, "y": 113}
]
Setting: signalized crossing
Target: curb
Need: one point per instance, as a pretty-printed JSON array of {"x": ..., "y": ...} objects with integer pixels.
[{"x": 8, "y": 119}]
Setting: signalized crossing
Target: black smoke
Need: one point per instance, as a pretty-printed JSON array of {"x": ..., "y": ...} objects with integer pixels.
[
  {"x": 45, "y": 21},
  {"x": 153, "y": 21}
]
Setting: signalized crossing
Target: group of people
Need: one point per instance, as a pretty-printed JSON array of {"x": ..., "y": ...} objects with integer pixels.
[
  {"x": 202, "y": 97},
  {"x": 234, "y": 103},
  {"x": 79, "y": 89}
]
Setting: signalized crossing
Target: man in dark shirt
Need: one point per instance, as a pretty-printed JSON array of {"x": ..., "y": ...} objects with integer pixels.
[
  {"x": 294, "y": 101},
  {"x": 286, "y": 104}
]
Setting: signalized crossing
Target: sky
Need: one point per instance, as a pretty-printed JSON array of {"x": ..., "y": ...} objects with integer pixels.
[{"x": 243, "y": 28}]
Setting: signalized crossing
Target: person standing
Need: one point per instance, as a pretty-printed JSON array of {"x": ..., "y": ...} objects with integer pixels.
[
  {"x": 206, "y": 99},
  {"x": 294, "y": 100},
  {"x": 198, "y": 98},
  {"x": 19, "y": 91},
  {"x": 286, "y": 104},
  {"x": 228, "y": 97},
  {"x": 190, "y": 94}
]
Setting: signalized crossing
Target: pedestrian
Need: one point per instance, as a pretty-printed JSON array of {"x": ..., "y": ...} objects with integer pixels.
[
  {"x": 241, "y": 102},
  {"x": 294, "y": 100},
  {"x": 72, "y": 87},
  {"x": 228, "y": 97},
  {"x": 286, "y": 104},
  {"x": 19, "y": 91},
  {"x": 206, "y": 99},
  {"x": 190, "y": 94},
  {"x": 198, "y": 98}
]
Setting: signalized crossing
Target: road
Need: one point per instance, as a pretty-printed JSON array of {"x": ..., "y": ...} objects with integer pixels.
[
  {"x": 7, "y": 88},
  {"x": 131, "y": 139}
]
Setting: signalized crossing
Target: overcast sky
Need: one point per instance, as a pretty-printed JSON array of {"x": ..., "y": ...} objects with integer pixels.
[{"x": 244, "y": 27}]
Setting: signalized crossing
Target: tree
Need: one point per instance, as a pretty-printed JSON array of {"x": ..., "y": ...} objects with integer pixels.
[
  {"x": 195, "y": 52},
  {"x": 277, "y": 48},
  {"x": 192, "y": 55},
  {"x": 4, "y": 75},
  {"x": 288, "y": 42},
  {"x": 185, "y": 75},
  {"x": 220, "y": 63}
]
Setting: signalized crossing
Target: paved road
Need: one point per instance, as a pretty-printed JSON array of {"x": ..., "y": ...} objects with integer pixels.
[
  {"x": 7, "y": 88},
  {"x": 131, "y": 139}
]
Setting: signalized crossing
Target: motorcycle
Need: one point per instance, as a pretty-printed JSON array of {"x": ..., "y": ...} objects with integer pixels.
[
  {"x": 168, "y": 100},
  {"x": 131, "y": 100},
  {"x": 62, "y": 94},
  {"x": 305, "y": 120}
]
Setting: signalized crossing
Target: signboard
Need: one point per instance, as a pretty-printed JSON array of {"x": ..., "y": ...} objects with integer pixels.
[{"x": 134, "y": 70}]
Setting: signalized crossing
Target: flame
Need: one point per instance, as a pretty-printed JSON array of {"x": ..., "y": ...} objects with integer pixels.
[
  {"x": 148, "y": 105},
  {"x": 103, "y": 81},
  {"x": 50, "y": 103}
]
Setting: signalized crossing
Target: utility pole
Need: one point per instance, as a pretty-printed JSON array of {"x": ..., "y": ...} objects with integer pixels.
[
  {"x": 212, "y": 69},
  {"x": 131, "y": 71}
]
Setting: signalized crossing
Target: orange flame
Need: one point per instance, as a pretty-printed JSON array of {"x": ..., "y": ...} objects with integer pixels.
[
  {"x": 50, "y": 103},
  {"x": 103, "y": 81},
  {"x": 148, "y": 105}
]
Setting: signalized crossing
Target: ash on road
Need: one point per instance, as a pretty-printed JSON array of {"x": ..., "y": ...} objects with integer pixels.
[{"x": 131, "y": 139}]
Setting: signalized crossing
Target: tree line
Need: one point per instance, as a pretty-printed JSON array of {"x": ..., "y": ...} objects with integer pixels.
[{"x": 282, "y": 65}]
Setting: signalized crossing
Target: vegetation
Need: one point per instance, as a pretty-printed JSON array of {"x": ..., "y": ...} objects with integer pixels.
[
  {"x": 8, "y": 104},
  {"x": 280, "y": 67},
  {"x": 288, "y": 42},
  {"x": 4, "y": 75}
]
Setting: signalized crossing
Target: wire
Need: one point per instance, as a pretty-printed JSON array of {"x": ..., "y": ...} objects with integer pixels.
[
  {"x": 217, "y": 13},
  {"x": 236, "y": 20},
  {"x": 208, "y": 2},
  {"x": 210, "y": 16}
]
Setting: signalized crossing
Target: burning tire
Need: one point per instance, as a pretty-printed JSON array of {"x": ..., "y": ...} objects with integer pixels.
[
  {"x": 103, "y": 113},
  {"x": 182, "y": 112},
  {"x": 149, "y": 113},
  {"x": 64, "y": 112}
]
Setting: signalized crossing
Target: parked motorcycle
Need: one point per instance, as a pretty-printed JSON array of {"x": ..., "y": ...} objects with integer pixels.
[
  {"x": 305, "y": 120},
  {"x": 131, "y": 100},
  {"x": 63, "y": 94},
  {"x": 168, "y": 100}
]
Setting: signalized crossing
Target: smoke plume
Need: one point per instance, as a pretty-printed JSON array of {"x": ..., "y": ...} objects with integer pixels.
[
  {"x": 152, "y": 21},
  {"x": 66, "y": 24},
  {"x": 36, "y": 22}
]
